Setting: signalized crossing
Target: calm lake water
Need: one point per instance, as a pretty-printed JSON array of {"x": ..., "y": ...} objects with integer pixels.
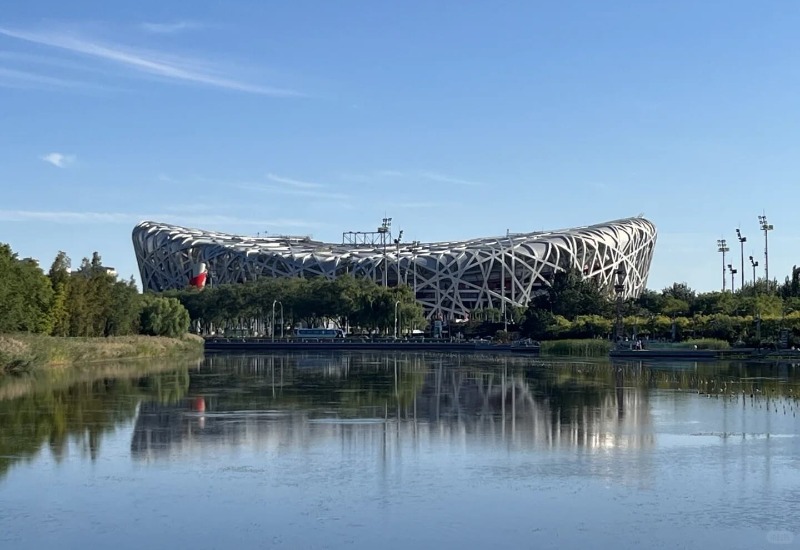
[{"x": 365, "y": 450}]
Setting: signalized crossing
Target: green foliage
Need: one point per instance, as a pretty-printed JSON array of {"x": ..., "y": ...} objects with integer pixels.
[
  {"x": 706, "y": 343},
  {"x": 161, "y": 316},
  {"x": 582, "y": 348},
  {"x": 25, "y": 294},
  {"x": 570, "y": 295},
  {"x": 36, "y": 350},
  {"x": 360, "y": 304},
  {"x": 91, "y": 302},
  {"x": 537, "y": 323}
]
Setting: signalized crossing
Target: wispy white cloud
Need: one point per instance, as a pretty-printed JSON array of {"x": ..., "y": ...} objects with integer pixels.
[
  {"x": 63, "y": 216},
  {"x": 410, "y": 175},
  {"x": 389, "y": 173},
  {"x": 416, "y": 205},
  {"x": 332, "y": 204},
  {"x": 444, "y": 178},
  {"x": 293, "y": 191},
  {"x": 194, "y": 207},
  {"x": 149, "y": 62},
  {"x": 73, "y": 217},
  {"x": 171, "y": 28},
  {"x": 294, "y": 183},
  {"x": 13, "y": 78},
  {"x": 59, "y": 160}
]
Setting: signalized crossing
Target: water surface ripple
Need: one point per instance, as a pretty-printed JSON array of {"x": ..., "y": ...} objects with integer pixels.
[{"x": 398, "y": 450}]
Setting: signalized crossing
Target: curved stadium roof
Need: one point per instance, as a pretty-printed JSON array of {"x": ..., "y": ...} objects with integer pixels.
[{"x": 450, "y": 278}]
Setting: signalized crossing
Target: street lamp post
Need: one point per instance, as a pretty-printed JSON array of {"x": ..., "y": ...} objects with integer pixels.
[
  {"x": 722, "y": 246},
  {"x": 397, "y": 303},
  {"x": 742, "y": 240},
  {"x": 385, "y": 230},
  {"x": 733, "y": 272},
  {"x": 766, "y": 228},
  {"x": 619, "y": 288}
]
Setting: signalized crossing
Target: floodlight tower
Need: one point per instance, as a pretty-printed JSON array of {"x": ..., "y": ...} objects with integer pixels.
[
  {"x": 742, "y": 240},
  {"x": 754, "y": 265},
  {"x": 397, "y": 254},
  {"x": 385, "y": 230},
  {"x": 766, "y": 228},
  {"x": 733, "y": 272},
  {"x": 722, "y": 246}
]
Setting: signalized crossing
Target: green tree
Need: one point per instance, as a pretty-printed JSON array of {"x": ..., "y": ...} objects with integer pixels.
[
  {"x": 570, "y": 295},
  {"x": 163, "y": 317},
  {"x": 25, "y": 294}
]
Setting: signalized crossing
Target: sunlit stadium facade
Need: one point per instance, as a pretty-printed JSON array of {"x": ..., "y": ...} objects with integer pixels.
[{"x": 450, "y": 279}]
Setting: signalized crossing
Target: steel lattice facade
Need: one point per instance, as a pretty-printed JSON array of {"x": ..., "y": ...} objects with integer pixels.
[{"x": 450, "y": 278}]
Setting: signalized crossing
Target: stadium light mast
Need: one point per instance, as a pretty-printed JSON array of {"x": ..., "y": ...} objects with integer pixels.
[
  {"x": 722, "y": 246},
  {"x": 415, "y": 245},
  {"x": 397, "y": 253},
  {"x": 742, "y": 240},
  {"x": 385, "y": 230},
  {"x": 503, "y": 285},
  {"x": 766, "y": 228},
  {"x": 733, "y": 272},
  {"x": 754, "y": 265}
]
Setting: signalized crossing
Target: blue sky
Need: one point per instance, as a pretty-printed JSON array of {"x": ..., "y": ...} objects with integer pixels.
[{"x": 457, "y": 119}]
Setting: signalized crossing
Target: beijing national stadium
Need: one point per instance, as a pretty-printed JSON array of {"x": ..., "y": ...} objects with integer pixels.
[{"x": 450, "y": 279}]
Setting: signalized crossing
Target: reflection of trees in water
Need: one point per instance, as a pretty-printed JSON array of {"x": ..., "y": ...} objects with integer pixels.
[
  {"x": 273, "y": 398},
  {"x": 293, "y": 399},
  {"x": 55, "y": 414}
]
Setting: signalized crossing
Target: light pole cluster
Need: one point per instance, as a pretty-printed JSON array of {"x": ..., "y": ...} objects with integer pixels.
[{"x": 722, "y": 246}]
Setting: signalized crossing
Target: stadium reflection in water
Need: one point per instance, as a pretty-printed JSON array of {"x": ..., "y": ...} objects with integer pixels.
[
  {"x": 396, "y": 450},
  {"x": 295, "y": 400}
]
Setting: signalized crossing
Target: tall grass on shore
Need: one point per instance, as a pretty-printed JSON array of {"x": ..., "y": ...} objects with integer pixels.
[
  {"x": 582, "y": 348},
  {"x": 25, "y": 352},
  {"x": 705, "y": 343}
]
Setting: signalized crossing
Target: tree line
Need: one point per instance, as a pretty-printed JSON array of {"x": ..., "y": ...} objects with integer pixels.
[
  {"x": 576, "y": 308},
  {"x": 352, "y": 304},
  {"x": 88, "y": 301}
]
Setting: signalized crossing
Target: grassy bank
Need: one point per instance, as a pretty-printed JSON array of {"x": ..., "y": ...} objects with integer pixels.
[
  {"x": 25, "y": 352},
  {"x": 583, "y": 348}
]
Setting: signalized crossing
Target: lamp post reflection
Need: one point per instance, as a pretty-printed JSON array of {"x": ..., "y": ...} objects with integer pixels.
[{"x": 274, "y": 302}]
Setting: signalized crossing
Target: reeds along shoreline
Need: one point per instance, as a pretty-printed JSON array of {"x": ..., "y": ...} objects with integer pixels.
[
  {"x": 582, "y": 347},
  {"x": 601, "y": 348},
  {"x": 21, "y": 353}
]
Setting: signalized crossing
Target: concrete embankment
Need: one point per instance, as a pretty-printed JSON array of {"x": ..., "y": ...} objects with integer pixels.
[{"x": 241, "y": 345}]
